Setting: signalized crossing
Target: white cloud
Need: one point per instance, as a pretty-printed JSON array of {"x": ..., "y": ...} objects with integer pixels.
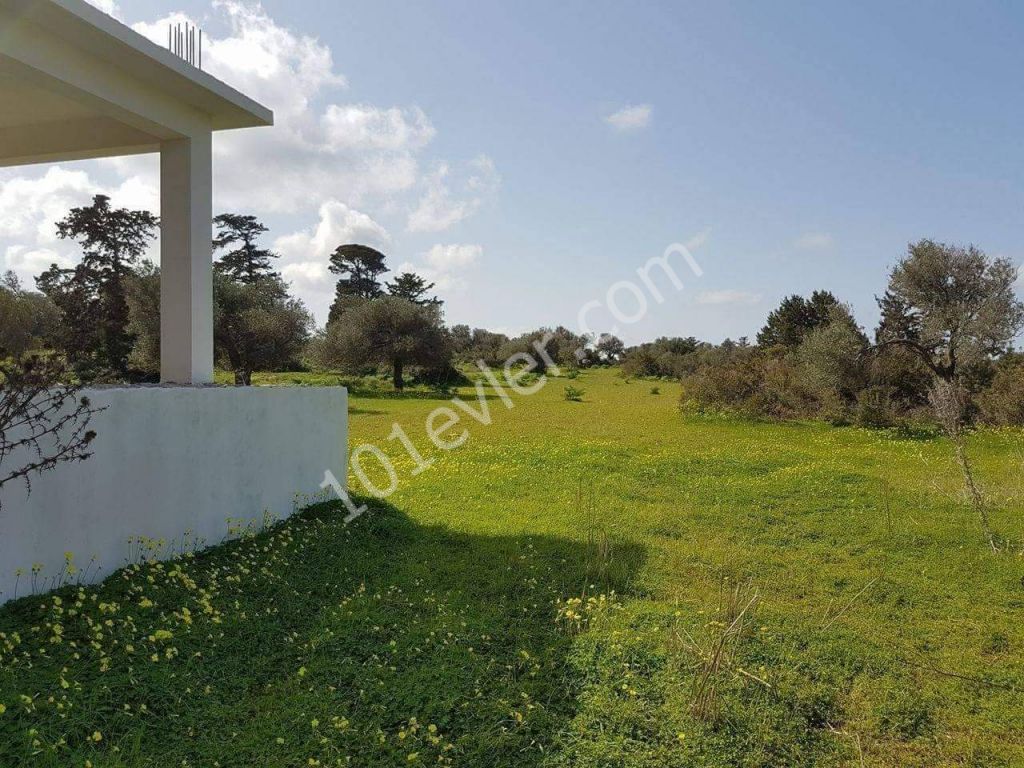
[
  {"x": 31, "y": 205},
  {"x": 139, "y": 192},
  {"x": 437, "y": 210},
  {"x": 309, "y": 278},
  {"x": 29, "y": 262},
  {"x": 446, "y": 265},
  {"x": 440, "y": 209},
  {"x": 443, "y": 282},
  {"x": 814, "y": 241},
  {"x": 484, "y": 176},
  {"x": 361, "y": 126},
  {"x": 728, "y": 296},
  {"x": 445, "y": 258},
  {"x": 630, "y": 117},
  {"x": 360, "y": 153},
  {"x": 365, "y": 160},
  {"x": 449, "y": 283},
  {"x": 338, "y": 224}
]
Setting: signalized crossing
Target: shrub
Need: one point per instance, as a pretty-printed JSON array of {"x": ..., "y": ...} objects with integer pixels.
[
  {"x": 748, "y": 381},
  {"x": 655, "y": 391},
  {"x": 1002, "y": 404},
  {"x": 574, "y": 394},
  {"x": 831, "y": 407},
  {"x": 727, "y": 384},
  {"x": 560, "y": 344},
  {"x": 527, "y": 378},
  {"x": 875, "y": 408},
  {"x": 906, "y": 377},
  {"x": 661, "y": 357},
  {"x": 440, "y": 377},
  {"x": 831, "y": 359}
]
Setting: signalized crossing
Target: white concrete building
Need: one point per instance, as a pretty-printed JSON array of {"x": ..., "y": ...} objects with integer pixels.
[{"x": 75, "y": 84}]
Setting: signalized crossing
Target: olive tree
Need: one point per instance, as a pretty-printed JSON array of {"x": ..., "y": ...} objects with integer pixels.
[
  {"x": 609, "y": 348},
  {"x": 561, "y": 346},
  {"x": 957, "y": 307},
  {"x": 257, "y": 326},
  {"x": 143, "y": 297},
  {"x": 388, "y": 331}
]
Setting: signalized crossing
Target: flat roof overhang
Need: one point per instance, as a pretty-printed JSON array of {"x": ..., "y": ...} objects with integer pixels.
[{"x": 76, "y": 83}]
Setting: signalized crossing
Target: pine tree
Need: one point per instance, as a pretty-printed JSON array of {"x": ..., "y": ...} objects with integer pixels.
[
  {"x": 92, "y": 296},
  {"x": 795, "y": 317},
  {"x": 412, "y": 287},
  {"x": 787, "y": 324},
  {"x": 247, "y": 263},
  {"x": 360, "y": 268},
  {"x": 822, "y": 306},
  {"x": 898, "y": 321}
]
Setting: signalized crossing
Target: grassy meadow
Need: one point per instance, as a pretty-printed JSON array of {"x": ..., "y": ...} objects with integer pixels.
[{"x": 606, "y": 582}]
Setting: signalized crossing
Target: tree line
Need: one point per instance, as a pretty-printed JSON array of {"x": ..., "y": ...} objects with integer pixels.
[
  {"x": 948, "y": 319},
  {"x": 102, "y": 316},
  {"x": 949, "y": 316}
]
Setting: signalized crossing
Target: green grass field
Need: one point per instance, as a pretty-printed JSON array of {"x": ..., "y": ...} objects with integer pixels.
[{"x": 595, "y": 583}]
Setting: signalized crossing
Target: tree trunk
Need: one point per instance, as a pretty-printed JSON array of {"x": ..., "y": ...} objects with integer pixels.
[
  {"x": 947, "y": 398},
  {"x": 397, "y": 376},
  {"x": 243, "y": 377}
]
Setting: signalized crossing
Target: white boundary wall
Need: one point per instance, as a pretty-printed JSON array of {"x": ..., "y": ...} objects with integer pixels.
[{"x": 167, "y": 460}]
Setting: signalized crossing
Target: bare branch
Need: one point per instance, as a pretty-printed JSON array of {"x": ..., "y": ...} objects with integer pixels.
[{"x": 43, "y": 419}]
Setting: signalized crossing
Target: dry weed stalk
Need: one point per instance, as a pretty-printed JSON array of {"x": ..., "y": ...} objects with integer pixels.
[
  {"x": 948, "y": 400},
  {"x": 828, "y": 621},
  {"x": 735, "y": 619}
]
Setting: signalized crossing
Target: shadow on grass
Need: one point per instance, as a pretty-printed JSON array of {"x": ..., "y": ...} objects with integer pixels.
[{"x": 378, "y": 640}]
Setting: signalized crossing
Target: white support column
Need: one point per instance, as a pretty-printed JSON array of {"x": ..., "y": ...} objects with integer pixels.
[{"x": 186, "y": 262}]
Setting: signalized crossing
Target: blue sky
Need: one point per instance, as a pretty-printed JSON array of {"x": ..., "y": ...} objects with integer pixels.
[{"x": 804, "y": 145}]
